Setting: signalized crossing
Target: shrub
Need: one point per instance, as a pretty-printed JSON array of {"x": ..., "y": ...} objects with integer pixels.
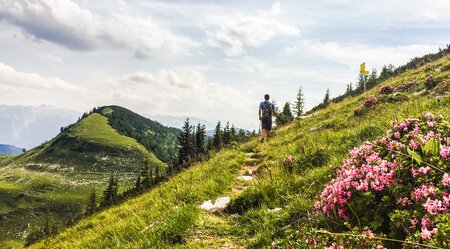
[
  {"x": 358, "y": 112},
  {"x": 393, "y": 98},
  {"x": 370, "y": 102},
  {"x": 397, "y": 185},
  {"x": 431, "y": 82},
  {"x": 405, "y": 86},
  {"x": 386, "y": 90},
  {"x": 442, "y": 87}
]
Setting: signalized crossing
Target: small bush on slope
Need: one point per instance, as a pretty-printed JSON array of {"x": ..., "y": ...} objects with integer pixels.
[{"x": 397, "y": 185}]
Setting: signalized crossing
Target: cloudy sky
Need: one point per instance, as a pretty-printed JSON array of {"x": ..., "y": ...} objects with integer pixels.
[{"x": 210, "y": 59}]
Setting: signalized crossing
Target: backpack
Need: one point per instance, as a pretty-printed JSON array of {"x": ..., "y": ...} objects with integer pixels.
[{"x": 267, "y": 110}]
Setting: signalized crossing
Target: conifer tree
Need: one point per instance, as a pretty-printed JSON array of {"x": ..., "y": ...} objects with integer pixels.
[
  {"x": 110, "y": 194},
  {"x": 138, "y": 185},
  {"x": 226, "y": 134},
  {"x": 217, "y": 138},
  {"x": 299, "y": 104},
  {"x": 233, "y": 134},
  {"x": 200, "y": 139},
  {"x": 185, "y": 144},
  {"x": 326, "y": 99},
  {"x": 92, "y": 202}
]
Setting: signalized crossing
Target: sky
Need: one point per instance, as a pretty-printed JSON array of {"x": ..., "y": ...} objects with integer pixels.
[{"x": 210, "y": 59}]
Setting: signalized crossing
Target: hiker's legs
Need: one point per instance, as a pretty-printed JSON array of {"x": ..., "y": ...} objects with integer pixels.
[{"x": 263, "y": 134}]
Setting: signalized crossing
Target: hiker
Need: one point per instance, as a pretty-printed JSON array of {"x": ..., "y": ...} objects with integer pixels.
[{"x": 266, "y": 110}]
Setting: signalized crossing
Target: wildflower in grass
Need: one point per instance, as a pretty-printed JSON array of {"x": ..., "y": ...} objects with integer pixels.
[
  {"x": 414, "y": 222},
  {"x": 403, "y": 176},
  {"x": 426, "y": 234},
  {"x": 368, "y": 234},
  {"x": 446, "y": 179},
  {"x": 445, "y": 151}
]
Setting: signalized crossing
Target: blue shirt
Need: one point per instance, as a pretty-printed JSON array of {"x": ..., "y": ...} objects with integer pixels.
[{"x": 261, "y": 106}]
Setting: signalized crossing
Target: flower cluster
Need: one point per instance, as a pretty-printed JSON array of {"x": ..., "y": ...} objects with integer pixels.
[
  {"x": 402, "y": 175},
  {"x": 386, "y": 90},
  {"x": 370, "y": 102}
]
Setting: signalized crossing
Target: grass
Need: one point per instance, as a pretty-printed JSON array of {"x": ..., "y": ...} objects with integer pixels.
[
  {"x": 55, "y": 179},
  {"x": 168, "y": 215}
]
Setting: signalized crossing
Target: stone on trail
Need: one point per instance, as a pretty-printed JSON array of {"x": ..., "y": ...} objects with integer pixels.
[
  {"x": 207, "y": 205},
  {"x": 220, "y": 204},
  {"x": 275, "y": 210},
  {"x": 245, "y": 178}
]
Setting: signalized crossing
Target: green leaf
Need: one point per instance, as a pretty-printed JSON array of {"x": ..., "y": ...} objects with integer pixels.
[
  {"x": 432, "y": 146},
  {"x": 415, "y": 156}
]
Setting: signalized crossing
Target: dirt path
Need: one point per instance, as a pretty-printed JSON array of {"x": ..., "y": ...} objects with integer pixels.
[{"x": 213, "y": 228}]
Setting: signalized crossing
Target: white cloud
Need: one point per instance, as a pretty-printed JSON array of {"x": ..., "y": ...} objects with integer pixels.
[
  {"x": 184, "y": 92},
  {"x": 234, "y": 34},
  {"x": 352, "y": 55},
  {"x": 12, "y": 78},
  {"x": 65, "y": 23}
]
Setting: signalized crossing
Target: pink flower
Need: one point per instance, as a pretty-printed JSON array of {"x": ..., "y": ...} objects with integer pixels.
[
  {"x": 426, "y": 234},
  {"x": 446, "y": 179},
  {"x": 435, "y": 206},
  {"x": 414, "y": 222},
  {"x": 274, "y": 245},
  {"x": 289, "y": 159},
  {"x": 334, "y": 246},
  {"x": 425, "y": 222},
  {"x": 368, "y": 234},
  {"x": 424, "y": 170},
  {"x": 397, "y": 134},
  {"x": 445, "y": 151},
  {"x": 404, "y": 201}
]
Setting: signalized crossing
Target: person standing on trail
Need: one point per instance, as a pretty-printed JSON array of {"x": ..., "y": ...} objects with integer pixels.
[{"x": 266, "y": 110}]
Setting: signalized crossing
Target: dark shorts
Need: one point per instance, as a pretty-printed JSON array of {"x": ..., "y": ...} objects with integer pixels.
[{"x": 266, "y": 123}]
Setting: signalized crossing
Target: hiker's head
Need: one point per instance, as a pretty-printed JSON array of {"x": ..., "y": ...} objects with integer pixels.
[{"x": 266, "y": 97}]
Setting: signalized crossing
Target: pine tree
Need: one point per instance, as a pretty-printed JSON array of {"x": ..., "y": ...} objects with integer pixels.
[
  {"x": 217, "y": 138},
  {"x": 326, "y": 99},
  {"x": 285, "y": 116},
  {"x": 200, "y": 139},
  {"x": 110, "y": 195},
  {"x": 210, "y": 144},
  {"x": 242, "y": 136},
  {"x": 138, "y": 185},
  {"x": 92, "y": 202},
  {"x": 185, "y": 144},
  {"x": 349, "y": 89},
  {"x": 233, "y": 134},
  {"x": 226, "y": 134},
  {"x": 299, "y": 104}
]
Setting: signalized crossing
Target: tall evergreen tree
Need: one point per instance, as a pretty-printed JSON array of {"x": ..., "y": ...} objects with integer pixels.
[
  {"x": 326, "y": 99},
  {"x": 217, "y": 138},
  {"x": 226, "y": 134},
  {"x": 92, "y": 202},
  {"x": 299, "y": 104},
  {"x": 233, "y": 134},
  {"x": 349, "y": 88},
  {"x": 110, "y": 195},
  {"x": 185, "y": 144},
  {"x": 210, "y": 144},
  {"x": 285, "y": 116},
  {"x": 200, "y": 139}
]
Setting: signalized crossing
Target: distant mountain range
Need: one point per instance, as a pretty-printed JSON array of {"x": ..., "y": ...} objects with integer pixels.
[
  {"x": 30, "y": 126},
  {"x": 9, "y": 149}
]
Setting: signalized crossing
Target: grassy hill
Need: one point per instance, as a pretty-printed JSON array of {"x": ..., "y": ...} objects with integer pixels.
[
  {"x": 52, "y": 182},
  {"x": 278, "y": 205}
]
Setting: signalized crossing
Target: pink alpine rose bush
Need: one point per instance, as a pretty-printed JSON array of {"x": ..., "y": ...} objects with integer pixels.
[{"x": 398, "y": 185}]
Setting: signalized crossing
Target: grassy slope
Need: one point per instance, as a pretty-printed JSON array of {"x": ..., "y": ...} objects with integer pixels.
[
  {"x": 173, "y": 206},
  {"x": 55, "y": 179}
]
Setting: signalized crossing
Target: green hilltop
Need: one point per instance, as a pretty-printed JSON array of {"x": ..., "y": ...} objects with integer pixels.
[
  {"x": 53, "y": 181},
  {"x": 278, "y": 204}
]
